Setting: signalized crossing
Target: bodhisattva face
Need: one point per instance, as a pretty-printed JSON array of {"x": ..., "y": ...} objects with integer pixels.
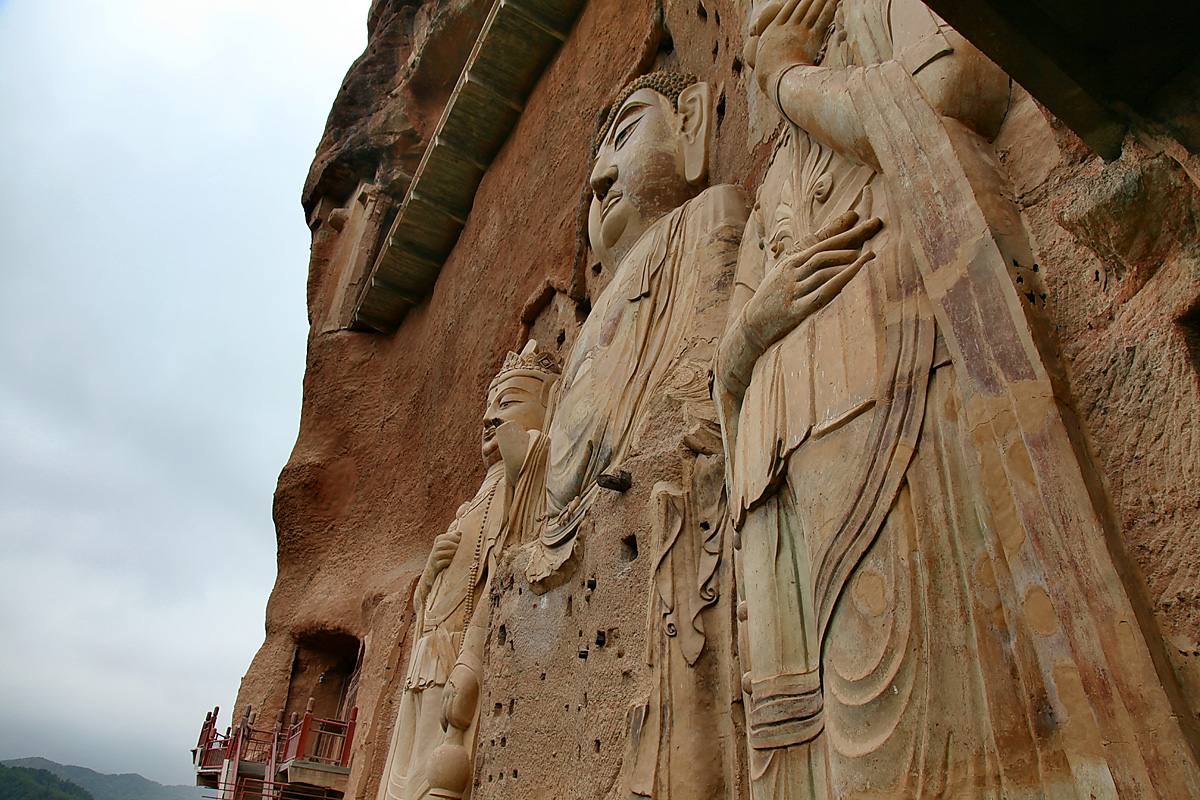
[
  {"x": 651, "y": 161},
  {"x": 518, "y": 398}
]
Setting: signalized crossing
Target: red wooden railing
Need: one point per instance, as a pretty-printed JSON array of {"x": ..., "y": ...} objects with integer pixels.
[
  {"x": 212, "y": 746},
  {"x": 258, "y": 789},
  {"x": 309, "y": 738},
  {"x": 324, "y": 741},
  {"x": 256, "y": 745}
]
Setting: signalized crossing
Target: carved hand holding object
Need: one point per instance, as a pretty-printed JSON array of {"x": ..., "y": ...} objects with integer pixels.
[
  {"x": 444, "y": 548},
  {"x": 460, "y": 699}
]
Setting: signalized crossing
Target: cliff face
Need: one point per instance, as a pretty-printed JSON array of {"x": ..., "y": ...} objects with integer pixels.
[{"x": 389, "y": 438}]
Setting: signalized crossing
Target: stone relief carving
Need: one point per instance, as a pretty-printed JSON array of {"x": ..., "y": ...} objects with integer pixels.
[
  {"x": 927, "y": 603},
  {"x": 885, "y": 568},
  {"x": 433, "y": 739},
  {"x": 638, "y": 376},
  {"x": 668, "y": 243}
]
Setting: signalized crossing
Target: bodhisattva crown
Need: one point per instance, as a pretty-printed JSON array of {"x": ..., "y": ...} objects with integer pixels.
[{"x": 529, "y": 362}]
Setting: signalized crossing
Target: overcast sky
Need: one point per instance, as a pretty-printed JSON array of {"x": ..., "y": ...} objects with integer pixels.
[{"x": 153, "y": 257}]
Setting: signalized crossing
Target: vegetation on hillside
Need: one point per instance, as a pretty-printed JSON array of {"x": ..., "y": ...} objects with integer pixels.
[
  {"x": 129, "y": 786},
  {"x": 26, "y": 783}
]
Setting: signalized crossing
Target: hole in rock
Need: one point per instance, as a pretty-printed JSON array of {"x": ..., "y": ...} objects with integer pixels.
[
  {"x": 629, "y": 547},
  {"x": 325, "y": 670},
  {"x": 600, "y": 638},
  {"x": 1189, "y": 325},
  {"x": 501, "y": 635},
  {"x": 701, "y": 11},
  {"x": 666, "y": 45}
]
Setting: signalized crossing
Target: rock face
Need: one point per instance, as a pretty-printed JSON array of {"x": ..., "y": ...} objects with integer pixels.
[{"x": 615, "y": 666}]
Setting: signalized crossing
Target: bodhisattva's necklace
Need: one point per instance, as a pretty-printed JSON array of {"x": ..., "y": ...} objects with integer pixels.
[{"x": 471, "y": 584}]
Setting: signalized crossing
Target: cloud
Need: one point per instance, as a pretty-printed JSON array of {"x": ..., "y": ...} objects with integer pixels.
[{"x": 152, "y": 334}]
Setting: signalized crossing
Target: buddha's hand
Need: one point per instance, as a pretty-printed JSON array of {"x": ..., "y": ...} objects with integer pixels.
[
  {"x": 784, "y": 33},
  {"x": 804, "y": 282},
  {"x": 444, "y": 548}
]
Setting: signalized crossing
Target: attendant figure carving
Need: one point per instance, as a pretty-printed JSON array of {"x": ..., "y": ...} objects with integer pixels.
[
  {"x": 928, "y": 605},
  {"x": 433, "y": 740}
]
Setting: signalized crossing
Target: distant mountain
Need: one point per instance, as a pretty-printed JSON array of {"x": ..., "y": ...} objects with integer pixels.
[
  {"x": 129, "y": 786},
  {"x": 26, "y": 783}
]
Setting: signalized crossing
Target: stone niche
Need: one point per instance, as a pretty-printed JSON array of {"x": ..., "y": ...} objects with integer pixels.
[{"x": 574, "y": 675}]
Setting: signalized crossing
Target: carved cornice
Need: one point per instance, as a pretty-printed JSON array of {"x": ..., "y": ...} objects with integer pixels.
[{"x": 515, "y": 46}]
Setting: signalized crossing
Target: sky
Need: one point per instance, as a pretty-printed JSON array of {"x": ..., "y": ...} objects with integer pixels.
[{"x": 153, "y": 258}]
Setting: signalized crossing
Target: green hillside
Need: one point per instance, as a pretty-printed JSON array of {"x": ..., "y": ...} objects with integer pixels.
[
  {"x": 26, "y": 783},
  {"x": 129, "y": 786}
]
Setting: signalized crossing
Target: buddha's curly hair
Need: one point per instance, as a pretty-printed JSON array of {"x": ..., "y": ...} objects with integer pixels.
[{"x": 668, "y": 84}]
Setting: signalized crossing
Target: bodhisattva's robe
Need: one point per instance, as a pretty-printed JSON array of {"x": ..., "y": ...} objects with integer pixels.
[
  {"x": 908, "y": 628},
  {"x": 452, "y": 622},
  {"x": 665, "y": 304}
]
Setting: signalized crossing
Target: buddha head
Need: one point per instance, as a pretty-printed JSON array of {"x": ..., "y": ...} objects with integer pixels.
[
  {"x": 651, "y": 157},
  {"x": 520, "y": 393}
]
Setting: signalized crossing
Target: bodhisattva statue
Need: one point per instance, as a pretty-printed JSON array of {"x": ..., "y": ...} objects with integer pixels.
[
  {"x": 433, "y": 741},
  {"x": 669, "y": 245},
  {"x": 930, "y": 601}
]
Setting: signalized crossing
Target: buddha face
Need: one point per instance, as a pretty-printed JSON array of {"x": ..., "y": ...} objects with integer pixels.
[
  {"x": 639, "y": 173},
  {"x": 518, "y": 398}
]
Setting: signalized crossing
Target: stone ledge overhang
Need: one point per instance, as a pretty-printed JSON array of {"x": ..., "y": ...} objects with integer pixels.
[
  {"x": 518, "y": 40},
  {"x": 312, "y": 773},
  {"x": 1088, "y": 63}
]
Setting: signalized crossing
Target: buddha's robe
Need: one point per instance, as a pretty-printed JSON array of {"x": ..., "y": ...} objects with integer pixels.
[{"x": 665, "y": 304}]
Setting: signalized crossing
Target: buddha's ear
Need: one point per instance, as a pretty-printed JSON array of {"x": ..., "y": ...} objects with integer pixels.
[{"x": 696, "y": 117}]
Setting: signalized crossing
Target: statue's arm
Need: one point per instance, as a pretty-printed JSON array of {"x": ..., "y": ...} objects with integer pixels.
[
  {"x": 818, "y": 101},
  {"x": 461, "y": 695},
  {"x": 956, "y": 79},
  {"x": 738, "y": 349}
]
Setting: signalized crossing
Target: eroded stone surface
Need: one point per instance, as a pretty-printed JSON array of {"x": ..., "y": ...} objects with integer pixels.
[{"x": 387, "y": 448}]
